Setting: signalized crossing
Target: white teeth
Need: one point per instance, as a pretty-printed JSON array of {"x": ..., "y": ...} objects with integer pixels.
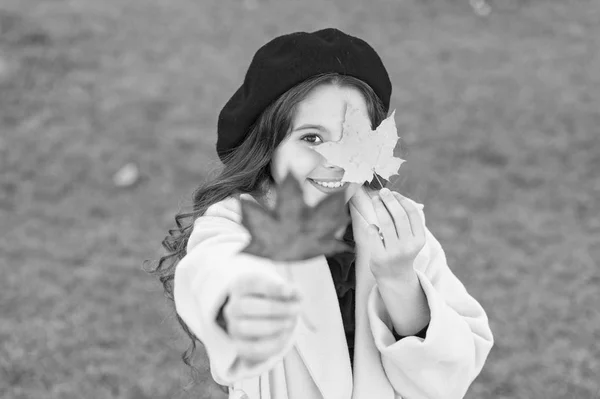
[{"x": 329, "y": 184}]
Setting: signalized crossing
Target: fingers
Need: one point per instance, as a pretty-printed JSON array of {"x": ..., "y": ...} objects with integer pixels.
[
  {"x": 397, "y": 212},
  {"x": 414, "y": 218},
  {"x": 264, "y": 285},
  {"x": 386, "y": 223},
  {"x": 257, "y": 350},
  {"x": 259, "y": 329},
  {"x": 261, "y": 307},
  {"x": 251, "y": 307}
]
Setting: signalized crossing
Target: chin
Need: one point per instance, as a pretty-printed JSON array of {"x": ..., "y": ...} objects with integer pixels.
[{"x": 312, "y": 196}]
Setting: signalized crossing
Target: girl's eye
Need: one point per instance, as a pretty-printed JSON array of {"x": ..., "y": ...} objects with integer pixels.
[{"x": 312, "y": 138}]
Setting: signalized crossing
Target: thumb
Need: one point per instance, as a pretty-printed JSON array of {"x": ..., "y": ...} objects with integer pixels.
[{"x": 362, "y": 203}]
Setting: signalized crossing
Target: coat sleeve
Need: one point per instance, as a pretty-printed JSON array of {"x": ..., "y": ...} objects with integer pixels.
[
  {"x": 202, "y": 280},
  {"x": 457, "y": 341}
]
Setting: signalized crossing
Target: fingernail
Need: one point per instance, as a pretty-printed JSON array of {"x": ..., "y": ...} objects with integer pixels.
[{"x": 385, "y": 192}]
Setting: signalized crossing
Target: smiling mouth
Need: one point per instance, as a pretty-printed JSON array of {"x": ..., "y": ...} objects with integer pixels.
[{"x": 329, "y": 186}]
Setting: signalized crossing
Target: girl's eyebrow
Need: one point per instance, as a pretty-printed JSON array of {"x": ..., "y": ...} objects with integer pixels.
[{"x": 312, "y": 127}]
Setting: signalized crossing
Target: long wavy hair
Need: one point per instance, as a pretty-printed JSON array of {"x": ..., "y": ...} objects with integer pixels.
[{"x": 247, "y": 170}]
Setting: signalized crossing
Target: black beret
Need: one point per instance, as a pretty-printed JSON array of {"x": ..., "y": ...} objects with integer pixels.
[{"x": 288, "y": 60}]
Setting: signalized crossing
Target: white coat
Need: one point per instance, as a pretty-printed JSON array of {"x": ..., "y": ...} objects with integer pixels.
[{"x": 315, "y": 364}]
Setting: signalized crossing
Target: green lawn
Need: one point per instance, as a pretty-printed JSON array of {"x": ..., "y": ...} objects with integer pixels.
[{"x": 500, "y": 119}]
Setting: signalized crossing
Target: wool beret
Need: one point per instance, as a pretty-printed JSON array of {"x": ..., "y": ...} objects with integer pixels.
[{"x": 287, "y": 61}]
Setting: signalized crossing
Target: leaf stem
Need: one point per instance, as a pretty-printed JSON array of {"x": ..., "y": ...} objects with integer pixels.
[{"x": 380, "y": 183}]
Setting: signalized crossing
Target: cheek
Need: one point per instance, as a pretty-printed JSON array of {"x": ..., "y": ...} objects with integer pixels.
[
  {"x": 310, "y": 160},
  {"x": 297, "y": 159}
]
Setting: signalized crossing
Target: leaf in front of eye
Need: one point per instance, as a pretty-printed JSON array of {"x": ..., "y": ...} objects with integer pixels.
[
  {"x": 361, "y": 152},
  {"x": 293, "y": 231}
]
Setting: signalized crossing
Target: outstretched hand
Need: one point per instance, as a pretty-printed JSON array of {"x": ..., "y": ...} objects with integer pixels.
[
  {"x": 399, "y": 238},
  {"x": 261, "y": 315}
]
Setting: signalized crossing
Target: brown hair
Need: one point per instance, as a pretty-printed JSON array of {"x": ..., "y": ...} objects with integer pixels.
[{"x": 247, "y": 170}]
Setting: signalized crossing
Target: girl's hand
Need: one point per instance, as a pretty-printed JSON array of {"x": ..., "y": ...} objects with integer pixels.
[
  {"x": 400, "y": 237},
  {"x": 261, "y": 315}
]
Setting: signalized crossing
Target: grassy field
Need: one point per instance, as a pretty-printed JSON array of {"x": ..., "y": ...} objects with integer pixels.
[{"x": 500, "y": 120}]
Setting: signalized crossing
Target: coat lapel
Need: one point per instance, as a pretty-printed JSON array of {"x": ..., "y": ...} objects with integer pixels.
[{"x": 323, "y": 350}]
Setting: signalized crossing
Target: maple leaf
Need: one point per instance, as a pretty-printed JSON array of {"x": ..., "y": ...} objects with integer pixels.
[
  {"x": 293, "y": 231},
  {"x": 361, "y": 152}
]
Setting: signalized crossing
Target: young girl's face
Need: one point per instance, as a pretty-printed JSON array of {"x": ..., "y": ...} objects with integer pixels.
[{"x": 318, "y": 119}]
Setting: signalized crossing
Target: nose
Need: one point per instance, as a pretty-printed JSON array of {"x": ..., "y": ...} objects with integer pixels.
[
  {"x": 328, "y": 165},
  {"x": 324, "y": 163}
]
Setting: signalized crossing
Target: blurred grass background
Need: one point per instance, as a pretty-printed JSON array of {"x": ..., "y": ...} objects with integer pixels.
[{"x": 499, "y": 117}]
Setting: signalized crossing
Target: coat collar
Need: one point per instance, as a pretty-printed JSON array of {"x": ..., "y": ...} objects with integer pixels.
[
  {"x": 332, "y": 373},
  {"x": 323, "y": 334},
  {"x": 321, "y": 331}
]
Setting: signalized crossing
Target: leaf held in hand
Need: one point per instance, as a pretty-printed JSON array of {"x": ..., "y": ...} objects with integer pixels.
[
  {"x": 293, "y": 231},
  {"x": 361, "y": 152}
]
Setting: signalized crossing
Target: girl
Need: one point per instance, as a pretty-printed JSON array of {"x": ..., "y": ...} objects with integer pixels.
[{"x": 387, "y": 320}]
